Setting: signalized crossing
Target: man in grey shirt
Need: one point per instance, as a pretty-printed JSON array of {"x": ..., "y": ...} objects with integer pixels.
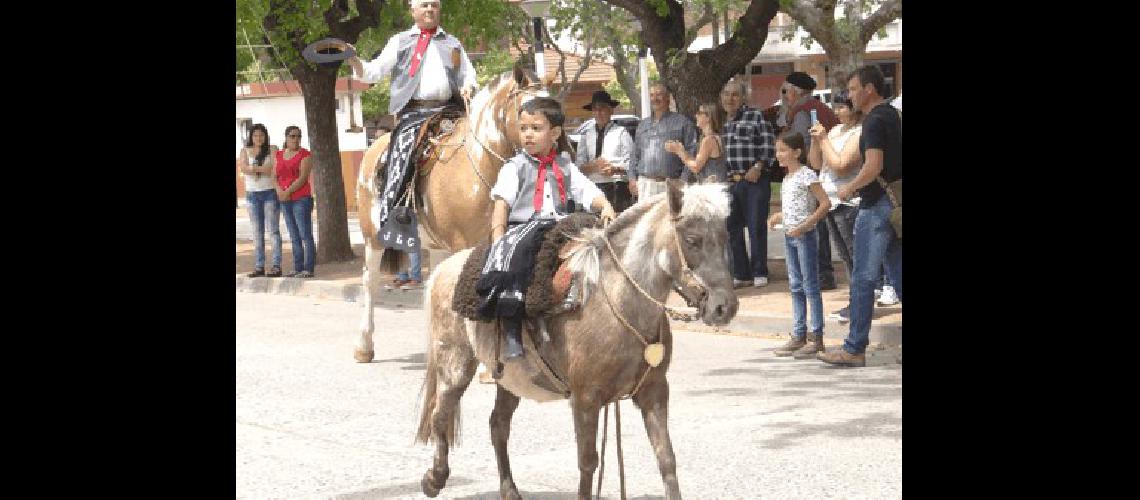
[{"x": 650, "y": 165}]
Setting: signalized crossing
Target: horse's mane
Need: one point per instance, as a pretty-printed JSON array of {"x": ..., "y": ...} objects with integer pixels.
[{"x": 703, "y": 201}]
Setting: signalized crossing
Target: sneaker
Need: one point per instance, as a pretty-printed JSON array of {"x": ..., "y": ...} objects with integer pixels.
[
  {"x": 888, "y": 298},
  {"x": 843, "y": 316},
  {"x": 760, "y": 281},
  {"x": 275, "y": 272},
  {"x": 256, "y": 273},
  {"x": 304, "y": 274},
  {"x": 740, "y": 283},
  {"x": 839, "y": 356},
  {"x": 792, "y": 346},
  {"x": 411, "y": 285}
]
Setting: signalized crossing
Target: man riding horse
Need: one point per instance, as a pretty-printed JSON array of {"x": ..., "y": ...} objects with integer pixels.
[{"x": 430, "y": 71}]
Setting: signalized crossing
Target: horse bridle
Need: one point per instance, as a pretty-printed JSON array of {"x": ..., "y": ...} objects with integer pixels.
[
  {"x": 471, "y": 130},
  {"x": 689, "y": 286}
]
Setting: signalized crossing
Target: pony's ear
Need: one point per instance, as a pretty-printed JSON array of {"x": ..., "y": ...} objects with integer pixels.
[
  {"x": 675, "y": 195},
  {"x": 520, "y": 75}
]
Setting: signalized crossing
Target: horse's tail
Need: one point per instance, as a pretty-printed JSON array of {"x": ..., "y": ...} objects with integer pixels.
[{"x": 431, "y": 381}]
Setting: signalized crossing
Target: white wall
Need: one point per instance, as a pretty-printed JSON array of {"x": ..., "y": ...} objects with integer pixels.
[{"x": 276, "y": 113}]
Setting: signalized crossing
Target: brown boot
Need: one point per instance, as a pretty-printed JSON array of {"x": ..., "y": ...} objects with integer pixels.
[
  {"x": 814, "y": 345},
  {"x": 840, "y": 356},
  {"x": 790, "y": 347}
]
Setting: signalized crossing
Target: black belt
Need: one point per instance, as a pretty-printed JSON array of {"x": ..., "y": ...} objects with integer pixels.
[
  {"x": 422, "y": 104},
  {"x": 735, "y": 177}
]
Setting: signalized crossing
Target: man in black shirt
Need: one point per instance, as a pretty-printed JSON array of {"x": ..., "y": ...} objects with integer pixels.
[{"x": 875, "y": 241}]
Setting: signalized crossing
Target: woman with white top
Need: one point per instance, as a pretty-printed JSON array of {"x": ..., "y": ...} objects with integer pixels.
[
  {"x": 836, "y": 155},
  {"x": 256, "y": 162}
]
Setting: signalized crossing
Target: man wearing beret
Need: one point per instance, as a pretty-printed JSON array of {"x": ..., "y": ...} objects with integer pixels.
[{"x": 603, "y": 152}]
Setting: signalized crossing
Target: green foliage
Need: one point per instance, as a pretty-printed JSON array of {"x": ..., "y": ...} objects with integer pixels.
[
  {"x": 374, "y": 101},
  {"x": 494, "y": 63}
]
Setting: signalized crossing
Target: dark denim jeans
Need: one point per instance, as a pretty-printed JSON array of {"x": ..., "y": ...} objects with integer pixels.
[
  {"x": 875, "y": 245},
  {"x": 299, "y": 221},
  {"x": 749, "y": 210},
  {"x": 263, "y": 216},
  {"x": 826, "y": 268},
  {"x": 803, "y": 282}
]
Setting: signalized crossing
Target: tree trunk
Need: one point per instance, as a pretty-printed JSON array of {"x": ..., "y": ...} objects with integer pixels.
[
  {"x": 319, "y": 88},
  {"x": 695, "y": 78},
  {"x": 841, "y": 63}
]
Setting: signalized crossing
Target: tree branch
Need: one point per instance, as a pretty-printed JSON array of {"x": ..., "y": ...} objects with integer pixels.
[
  {"x": 639, "y": 8},
  {"x": 888, "y": 11},
  {"x": 707, "y": 17},
  {"x": 739, "y": 49}
]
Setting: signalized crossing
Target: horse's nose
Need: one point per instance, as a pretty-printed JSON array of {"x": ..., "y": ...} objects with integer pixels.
[{"x": 722, "y": 308}]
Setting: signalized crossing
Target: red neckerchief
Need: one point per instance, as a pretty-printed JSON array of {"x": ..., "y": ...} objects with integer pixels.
[
  {"x": 421, "y": 46},
  {"x": 543, "y": 161}
]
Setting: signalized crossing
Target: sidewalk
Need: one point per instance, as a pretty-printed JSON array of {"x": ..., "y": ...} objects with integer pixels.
[{"x": 765, "y": 312}]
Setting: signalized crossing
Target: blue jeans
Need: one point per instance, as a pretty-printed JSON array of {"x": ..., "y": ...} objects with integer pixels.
[
  {"x": 803, "y": 281},
  {"x": 749, "y": 209},
  {"x": 413, "y": 271},
  {"x": 263, "y": 214},
  {"x": 299, "y": 221},
  {"x": 875, "y": 246}
]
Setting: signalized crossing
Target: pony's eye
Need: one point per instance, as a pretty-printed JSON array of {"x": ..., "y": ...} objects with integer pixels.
[{"x": 693, "y": 240}]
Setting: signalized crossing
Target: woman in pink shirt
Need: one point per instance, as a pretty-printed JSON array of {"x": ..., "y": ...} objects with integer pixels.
[{"x": 293, "y": 191}]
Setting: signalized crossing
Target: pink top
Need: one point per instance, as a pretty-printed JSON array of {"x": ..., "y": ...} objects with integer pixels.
[{"x": 289, "y": 170}]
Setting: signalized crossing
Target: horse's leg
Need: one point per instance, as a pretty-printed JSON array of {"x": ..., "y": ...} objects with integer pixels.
[
  {"x": 364, "y": 351},
  {"x": 505, "y": 405},
  {"x": 454, "y": 367},
  {"x": 653, "y": 399},
  {"x": 586, "y": 434}
]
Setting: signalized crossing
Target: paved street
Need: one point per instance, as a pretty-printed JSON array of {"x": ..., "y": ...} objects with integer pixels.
[{"x": 312, "y": 423}]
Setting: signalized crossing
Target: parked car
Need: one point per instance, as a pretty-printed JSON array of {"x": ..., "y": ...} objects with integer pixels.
[{"x": 628, "y": 121}]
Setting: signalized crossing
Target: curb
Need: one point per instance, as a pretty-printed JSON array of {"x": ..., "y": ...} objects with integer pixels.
[{"x": 745, "y": 323}]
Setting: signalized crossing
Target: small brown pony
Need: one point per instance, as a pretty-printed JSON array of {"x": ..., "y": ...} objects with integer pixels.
[
  {"x": 455, "y": 189},
  {"x": 674, "y": 240}
]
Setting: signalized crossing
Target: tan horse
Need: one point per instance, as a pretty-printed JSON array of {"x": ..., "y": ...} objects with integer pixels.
[
  {"x": 455, "y": 189},
  {"x": 627, "y": 270}
]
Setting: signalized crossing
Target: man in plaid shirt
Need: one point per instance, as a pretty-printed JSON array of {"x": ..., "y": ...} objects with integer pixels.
[{"x": 750, "y": 148}]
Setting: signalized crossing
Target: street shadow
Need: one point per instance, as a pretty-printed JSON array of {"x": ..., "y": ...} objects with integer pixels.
[
  {"x": 727, "y": 391},
  {"x": 415, "y": 361},
  {"x": 547, "y": 495},
  {"x": 398, "y": 490},
  {"x": 878, "y": 424},
  {"x": 732, "y": 371}
]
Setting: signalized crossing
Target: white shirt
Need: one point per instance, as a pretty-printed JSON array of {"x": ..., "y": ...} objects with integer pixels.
[
  {"x": 796, "y": 198},
  {"x": 827, "y": 177},
  {"x": 256, "y": 182},
  {"x": 616, "y": 148},
  {"x": 433, "y": 82},
  {"x": 580, "y": 189}
]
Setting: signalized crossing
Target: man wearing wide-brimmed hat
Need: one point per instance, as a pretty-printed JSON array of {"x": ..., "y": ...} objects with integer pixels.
[{"x": 603, "y": 152}]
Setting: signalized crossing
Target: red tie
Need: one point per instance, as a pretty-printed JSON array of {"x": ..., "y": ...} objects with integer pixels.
[
  {"x": 421, "y": 47},
  {"x": 543, "y": 162}
]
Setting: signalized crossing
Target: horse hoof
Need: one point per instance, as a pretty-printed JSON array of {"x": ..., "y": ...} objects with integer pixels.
[
  {"x": 509, "y": 491},
  {"x": 363, "y": 356},
  {"x": 429, "y": 488}
]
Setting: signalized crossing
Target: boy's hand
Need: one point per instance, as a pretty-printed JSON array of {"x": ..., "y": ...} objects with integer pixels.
[{"x": 607, "y": 214}]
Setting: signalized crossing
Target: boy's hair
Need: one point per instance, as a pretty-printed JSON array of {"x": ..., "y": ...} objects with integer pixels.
[
  {"x": 552, "y": 110},
  {"x": 549, "y": 108},
  {"x": 794, "y": 140}
]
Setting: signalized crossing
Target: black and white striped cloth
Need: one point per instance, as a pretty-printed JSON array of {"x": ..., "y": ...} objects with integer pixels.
[
  {"x": 400, "y": 157},
  {"x": 508, "y": 270}
]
